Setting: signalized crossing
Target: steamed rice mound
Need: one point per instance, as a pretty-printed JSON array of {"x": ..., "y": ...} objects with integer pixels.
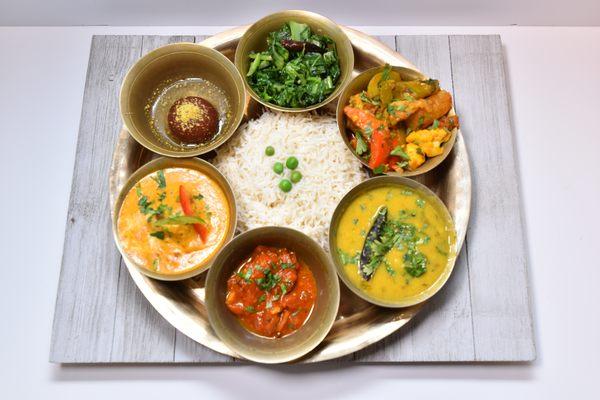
[{"x": 328, "y": 170}]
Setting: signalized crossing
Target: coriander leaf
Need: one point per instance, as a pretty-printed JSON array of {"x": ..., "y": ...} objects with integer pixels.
[
  {"x": 361, "y": 146},
  {"x": 159, "y": 235},
  {"x": 397, "y": 151},
  {"x": 420, "y": 203},
  {"x": 160, "y": 179},
  {"x": 345, "y": 258},
  {"x": 379, "y": 170}
]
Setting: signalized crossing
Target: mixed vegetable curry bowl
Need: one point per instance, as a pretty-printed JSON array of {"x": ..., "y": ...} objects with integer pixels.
[{"x": 397, "y": 121}]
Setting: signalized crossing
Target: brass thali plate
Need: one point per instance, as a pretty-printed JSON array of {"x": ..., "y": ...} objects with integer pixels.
[{"x": 358, "y": 323}]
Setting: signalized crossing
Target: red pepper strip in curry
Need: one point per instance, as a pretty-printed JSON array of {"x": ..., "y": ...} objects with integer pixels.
[{"x": 186, "y": 206}]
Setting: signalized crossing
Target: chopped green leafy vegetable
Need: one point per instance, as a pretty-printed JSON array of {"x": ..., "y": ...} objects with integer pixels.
[{"x": 298, "y": 69}]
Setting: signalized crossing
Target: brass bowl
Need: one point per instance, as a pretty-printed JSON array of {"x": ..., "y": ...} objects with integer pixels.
[
  {"x": 359, "y": 84},
  {"x": 255, "y": 39},
  {"x": 249, "y": 345},
  {"x": 366, "y": 186},
  {"x": 170, "y": 63},
  {"x": 163, "y": 163}
]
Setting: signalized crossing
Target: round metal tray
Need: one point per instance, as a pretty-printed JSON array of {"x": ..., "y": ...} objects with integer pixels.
[{"x": 358, "y": 323}]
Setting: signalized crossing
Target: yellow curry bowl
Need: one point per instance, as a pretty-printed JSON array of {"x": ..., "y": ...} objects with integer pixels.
[
  {"x": 360, "y": 83},
  {"x": 255, "y": 40},
  {"x": 169, "y": 64},
  {"x": 367, "y": 188},
  {"x": 137, "y": 247},
  {"x": 261, "y": 349}
]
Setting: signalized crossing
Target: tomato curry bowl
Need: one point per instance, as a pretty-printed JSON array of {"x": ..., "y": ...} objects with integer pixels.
[{"x": 272, "y": 294}]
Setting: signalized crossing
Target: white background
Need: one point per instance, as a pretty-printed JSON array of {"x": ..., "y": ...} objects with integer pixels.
[
  {"x": 554, "y": 80},
  {"x": 347, "y": 12}
]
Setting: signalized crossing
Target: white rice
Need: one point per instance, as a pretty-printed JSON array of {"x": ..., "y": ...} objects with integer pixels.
[{"x": 328, "y": 170}]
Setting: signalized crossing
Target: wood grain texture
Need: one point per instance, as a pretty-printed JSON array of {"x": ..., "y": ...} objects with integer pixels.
[
  {"x": 87, "y": 293},
  {"x": 449, "y": 312},
  {"x": 502, "y": 321},
  {"x": 140, "y": 333},
  {"x": 482, "y": 314}
]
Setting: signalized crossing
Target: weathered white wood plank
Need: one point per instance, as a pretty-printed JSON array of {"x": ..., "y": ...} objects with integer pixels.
[
  {"x": 141, "y": 334},
  {"x": 442, "y": 331},
  {"x": 87, "y": 292},
  {"x": 502, "y": 322}
]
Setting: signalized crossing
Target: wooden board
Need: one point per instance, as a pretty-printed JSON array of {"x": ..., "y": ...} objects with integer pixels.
[{"x": 483, "y": 313}]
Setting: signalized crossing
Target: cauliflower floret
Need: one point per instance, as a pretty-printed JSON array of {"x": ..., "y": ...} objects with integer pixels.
[
  {"x": 415, "y": 154},
  {"x": 429, "y": 140}
]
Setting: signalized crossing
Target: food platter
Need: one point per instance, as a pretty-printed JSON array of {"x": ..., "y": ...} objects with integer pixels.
[{"x": 358, "y": 323}]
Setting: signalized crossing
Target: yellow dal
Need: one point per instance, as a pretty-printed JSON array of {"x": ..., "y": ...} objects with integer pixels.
[{"x": 429, "y": 219}]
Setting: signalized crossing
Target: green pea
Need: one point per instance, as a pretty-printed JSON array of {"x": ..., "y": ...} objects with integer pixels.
[
  {"x": 278, "y": 168},
  {"x": 296, "y": 176},
  {"x": 285, "y": 185},
  {"x": 291, "y": 162},
  {"x": 269, "y": 151}
]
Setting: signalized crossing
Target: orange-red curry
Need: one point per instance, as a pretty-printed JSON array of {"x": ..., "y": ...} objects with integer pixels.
[{"x": 272, "y": 292}]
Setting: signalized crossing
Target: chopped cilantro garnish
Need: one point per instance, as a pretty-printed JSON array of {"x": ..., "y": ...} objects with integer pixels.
[
  {"x": 379, "y": 170},
  {"x": 361, "y": 146},
  {"x": 399, "y": 152},
  {"x": 160, "y": 179},
  {"x": 159, "y": 235},
  {"x": 420, "y": 203},
  {"x": 345, "y": 258},
  {"x": 269, "y": 281}
]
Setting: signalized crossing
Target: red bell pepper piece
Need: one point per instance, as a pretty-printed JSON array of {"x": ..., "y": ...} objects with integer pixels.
[
  {"x": 380, "y": 148},
  {"x": 186, "y": 205}
]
